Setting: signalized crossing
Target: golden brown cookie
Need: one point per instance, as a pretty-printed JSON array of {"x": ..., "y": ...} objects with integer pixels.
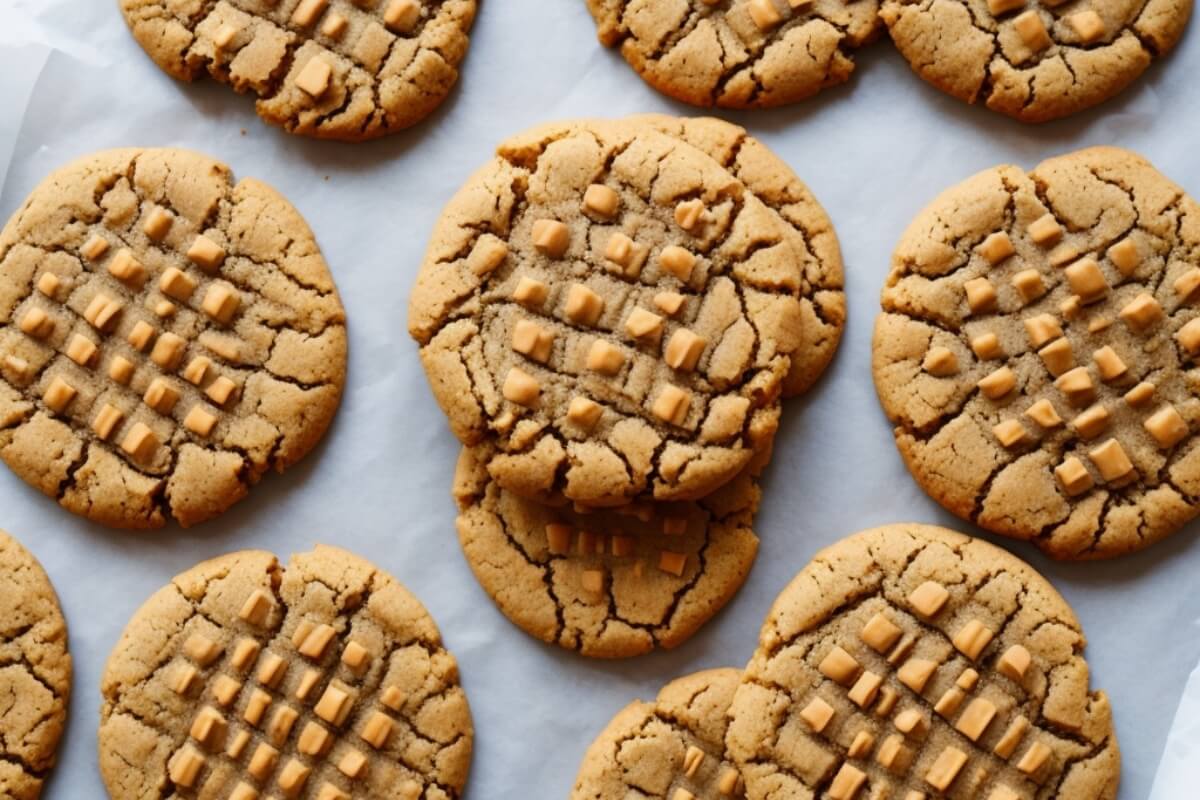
[
  {"x": 1035, "y": 61},
  {"x": 912, "y": 661},
  {"x": 334, "y": 69},
  {"x": 738, "y": 53},
  {"x": 1036, "y": 352},
  {"x": 671, "y": 748},
  {"x": 324, "y": 679},
  {"x": 613, "y": 310},
  {"x": 807, "y": 226},
  {"x": 167, "y": 335},
  {"x": 35, "y": 672},
  {"x": 609, "y": 584}
]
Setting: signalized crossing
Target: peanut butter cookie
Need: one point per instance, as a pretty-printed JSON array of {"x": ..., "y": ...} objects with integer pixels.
[
  {"x": 671, "y": 748},
  {"x": 334, "y": 69},
  {"x": 809, "y": 229},
  {"x": 609, "y": 584},
  {"x": 1034, "y": 60},
  {"x": 912, "y": 661},
  {"x": 323, "y": 680},
  {"x": 166, "y": 336},
  {"x": 614, "y": 311},
  {"x": 738, "y": 53},
  {"x": 1036, "y": 352},
  {"x": 35, "y": 672}
]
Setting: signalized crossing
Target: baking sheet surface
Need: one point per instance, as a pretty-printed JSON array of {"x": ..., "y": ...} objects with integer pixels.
[{"x": 875, "y": 151}]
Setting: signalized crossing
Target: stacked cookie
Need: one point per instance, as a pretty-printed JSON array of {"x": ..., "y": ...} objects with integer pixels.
[
  {"x": 610, "y": 313},
  {"x": 904, "y": 662}
]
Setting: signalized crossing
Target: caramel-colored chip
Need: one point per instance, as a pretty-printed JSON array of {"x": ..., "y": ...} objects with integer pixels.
[
  {"x": 292, "y": 777},
  {"x": 1044, "y": 230},
  {"x": 197, "y": 370},
  {"x": 1029, "y": 284},
  {"x": 1142, "y": 313},
  {"x": 1032, "y": 30},
  {"x": 911, "y": 723},
  {"x": 168, "y": 351},
  {"x": 48, "y": 284},
  {"x": 107, "y": 420},
  {"x": 967, "y": 679},
  {"x": 185, "y": 677},
  {"x": 225, "y": 689},
  {"x": 1077, "y": 386},
  {"x": 1124, "y": 254},
  {"x": 334, "y": 25},
  {"x": 244, "y": 654},
  {"x": 972, "y": 638},
  {"x": 271, "y": 670},
  {"x": 94, "y": 248},
  {"x": 140, "y": 442},
  {"x": 677, "y": 261},
  {"x": 847, "y": 783},
  {"x": 1090, "y": 28},
  {"x": 916, "y": 672},
  {"x": 1073, "y": 476},
  {"x": 1007, "y": 745},
  {"x": 1084, "y": 276},
  {"x": 1044, "y": 414},
  {"x": 401, "y": 16},
  {"x": 929, "y": 598},
  {"x": 1010, "y": 433},
  {"x": 624, "y": 252},
  {"x": 672, "y": 404},
  {"x": 81, "y": 350},
  {"x": 998, "y": 384},
  {"x": 1189, "y": 336},
  {"x": 177, "y": 283},
  {"x": 584, "y": 412},
  {"x": 184, "y": 767},
  {"x": 124, "y": 267},
  {"x": 532, "y": 340},
  {"x": 521, "y": 388},
  {"x": 839, "y": 666},
  {"x": 643, "y": 324},
  {"x": 1091, "y": 423},
  {"x": 377, "y": 730},
  {"x": 976, "y": 718},
  {"x": 1108, "y": 364},
  {"x": 865, "y": 689},
  {"x": 1014, "y": 663},
  {"x": 946, "y": 768},
  {"x": 120, "y": 369},
  {"x": 996, "y": 247},
  {"x": 1166, "y": 426},
  {"x": 949, "y": 702},
  {"x": 1139, "y": 395},
  {"x": 205, "y": 253},
  {"x": 601, "y": 201},
  {"x": 981, "y": 295},
  {"x": 158, "y": 223},
  {"x": 672, "y": 563},
  {"x": 592, "y": 581},
  {"x": 313, "y": 79},
  {"x": 986, "y": 346},
  {"x": 306, "y": 12},
  {"x": 689, "y": 214},
  {"x": 1041, "y": 329},
  {"x": 683, "y": 350},
  {"x": 817, "y": 714},
  {"x": 605, "y": 358},
  {"x": 764, "y": 14},
  {"x": 199, "y": 421},
  {"x": 256, "y": 706},
  {"x": 893, "y": 755},
  {"x": 220, "y": 302},
  {"x": 940, "y": 362},
  {"x": 583, "y": 306},
  {"x": 1187, "y": 285},
  {"x": 861, "y": 745},
  {"x": 220, "y": 390},
  {"x": 280, "y": 726},
  {"x": 161, "y": 396},
  {"x": 207, "y": 726},
  {"x": 669, "y": 302},
  {"x": 1111, "y": 461},
  {"x": 880, "y": 633},
  {"x": 551, "y": 237},
  {"x": 36, "y": 323},
  {"x": 1035, "y": 758},
  {"x": 352, "y": 763}
]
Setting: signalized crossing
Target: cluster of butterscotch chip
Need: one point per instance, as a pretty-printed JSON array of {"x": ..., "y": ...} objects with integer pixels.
[{"x": 1035, "y": 352}]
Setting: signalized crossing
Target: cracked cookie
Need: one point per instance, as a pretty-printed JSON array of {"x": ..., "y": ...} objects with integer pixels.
[
  {"x": 324, "y": 679},
  {"x": 333, "y": 69},
  {"x": 821, "y": 287},
  {"x": 911, "y": 661},
  {"x": 613, "y": 310},
  {"x": 609, "y": 584},
  {"x": 672, "y": 748},
  {"x": 166, "y": 336},
  {"x": 35, "y": 672},
  {"x": 738, "y": 53},
  {"x": 1036, "y": 352},
  {"x": 1035, "y": 60}
]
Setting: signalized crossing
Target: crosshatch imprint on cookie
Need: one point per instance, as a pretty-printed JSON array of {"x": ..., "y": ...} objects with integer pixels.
[
  {"x": 293, "y": 703},
  {"x": 1033, "y": 60},
  {"x": 938, "y": 669},
  {"x": 1055, "y": 347},
  {"x": 609, "y": 584},
  {"x": 159, "y": 332},
  {"x": 738, "y": 53},
  {"x": 343, "y": 69},
  {"x": 644, "y": 342}
]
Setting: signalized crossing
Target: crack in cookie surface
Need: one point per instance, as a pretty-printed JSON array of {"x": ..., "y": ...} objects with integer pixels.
[
  {"x": 325, "y": 680},
  {"x": 671, "y": 748},
  {"x": 613, "y": 310},
  {"x": 1034, "y": 60},
  {"x": 166, "y": 336},
  {"x": 607, "y": 584},
  {"x": 738, "y": 53},
  {"x": 35, "y": 672},
  {"x": 913, "y": 659},
  {"x": 339, "y": 69},
  {"x": 1049, "y": 393}
]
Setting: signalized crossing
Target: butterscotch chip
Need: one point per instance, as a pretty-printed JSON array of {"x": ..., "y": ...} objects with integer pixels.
[
  {"x": 95, "y": 247},
  {"x": 946, "y": 768},
  {"x": 967, "y": 679},
  {"x": 1029, "y": 284},
  {"x": 1002, "y": 792},
  {"x": 377, "y": 730},
  {"x": 1045, "y": 230},
  {"x": 313, "y": 78},
  {"x": 987, "y": 346},
  {"x": 605, "y": 358},
  {"x": 244, "y": 791},
  {"x": 225, "y": 689},
  {"x": 592, "y": 581},
  {"x": 37, "y": 323},
  {"x": 929, "y": 598},
  {"x": 949, "y": 702},
  {"x": 307, "y": 11},
  {"x": 81, "y": 350},
  {"x": 622, "y": 251},
  {"x": 125, "y": 267},
  {"x": 888, "y": 697},
  {"x": 244, "y": 653},
  {"x": 271, "y": 669},
  {"x": 313, "y": 740},
  {"x": 158, "y": 223},
  {"x": 683, "y": 350},
  {"x": 551, "y": 237},
  {"x": 531, "y": 339},
  {"x": 184, "y": 767},
  {"x": 682, "y": 794},
  {"x": 1032, "y": 30},
  {"x": 106, "y": 421},
  {"x": 1084, "y": 276},
  {"x": 330, "y": 792},
  {"x": 839, "y": 666},
  {"x": 161, "y": 396},
  {"x": 1142, "y": 312},
  {"x": 315, "y": 643},
  {"x": 280, "y": 727},
  {"x": 1041, "y": 329},
  {"x": 1010, "y": 433},
  {"x": 220, "y": 390},
  {"x": 996, "y": 247},
  {"x": 292, "y": 777},
  {"x": 531, "y": 293},
  {"x": 668, "y": 302},
  {"x": 693, "y": 757},
  {"x": 1063, "y": 255},
  {"x": 487, "y": 255},
  {"x": 168, "y": 351},
  {"x": 1108, "y": 363},
  {"x": 1111, "y": 461},
  {"x": 642, "y": 324},
  {"x": 176, "y": 283},
  {"x": 764, "y": 13},
  {"x": 1014, "y": 663},
  {"x": 1044, "y": 414},
  {"x": 18, "y": 366},
  {"x": 880, "y": 633},
  {"x": 1140, "y": 395},
  {"x": 1070, "y": 308},
  {"x": 940, "y": 362},
  {"x": 48, "y": 284},
  {"x": 140, "y": 442},
  {"x": 817, "y": 714},
  {"x": 1187, "y": 285},
  {"x": 120, "y": 369},
  {"x": 689, "y": 213},
  {"x": 916, "y": 672},
  {"x": 334, "y": 25},
  {"x": 1166, "y": 426},
  {"x": 672, "y": 404},
  {"x": 1098, "y": 324},
  {"x": 205, "y": 253},
  {"x": 981, "y": 295},
  {"x": 861, "y": 745},
  {"x": 583, "y": 306},
  {"x": 186, "y": 676},
  {"x": 674, "y": 526},
  {"x": 207, "y": 726},
  {"x": 998, "y": 383},
  {"x": 1007, "y": 745},
  {"x": 352, "y": 763},
  {"x": 1124, "y": 254},
  {"x": 865, "y": 689},
  {"x": 256, "y": 707},
  {"x": 262, "y": 763},
  {"x": 220, "y": 302},
  {"x": 355, "y": 656},
  {"x": 677, "y": 261},
  {"x": 893, "y": 755},
  {"x": 1035, "y": 758},
  {"x": 911, "y": 723},
  {"x": 976, "y": 718},
  {"x": 672, "y": 562},
  {"x": 1091, "y": 423},
  {"x": 140, "y": 335},
  {"x": 1189, "y": 336},
  {"x": 601, "y": 201},
  {"x": 972, "y": 638},
  {"x": 1077, "y": 386},
  {"x": 402, "y": 15},
  {"x": 1073, "y": 476},
  {"x": 847, "y": 783}
]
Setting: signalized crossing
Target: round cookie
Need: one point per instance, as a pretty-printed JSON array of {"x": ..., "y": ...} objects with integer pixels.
[
  {"x": 1035, "y": 60},
  {"x": 609, "y": 584},
  {"x": 333, "y": 69},
  {"x": 1036, "y": 352},
  {"x": 738, "y": 53},
  {"x": 35, "y": 678},
  {"x": 808, "y": 227},
  {"x": 166, "y": 336},
  {"x": 611, "y": 309},
  {"x": 324, "y": 679},
  {"x": 912, "y": 660},
  {"x": 670, "y": 748}
]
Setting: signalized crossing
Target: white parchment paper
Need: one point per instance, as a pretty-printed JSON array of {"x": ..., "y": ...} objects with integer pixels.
[{"x": 72, "y": 80}]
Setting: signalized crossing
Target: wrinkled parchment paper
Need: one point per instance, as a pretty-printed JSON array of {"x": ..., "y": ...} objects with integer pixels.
[{"x": 875, "y": 151}]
